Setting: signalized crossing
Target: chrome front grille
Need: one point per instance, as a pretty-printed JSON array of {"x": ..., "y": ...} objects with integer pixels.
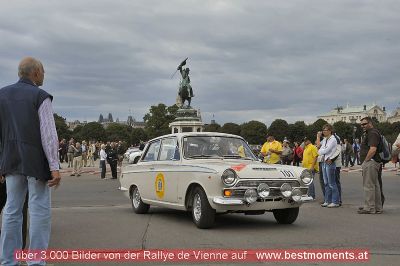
[
  {"x": 239, "y": 189},
  {"x": 270, "y": 183}
]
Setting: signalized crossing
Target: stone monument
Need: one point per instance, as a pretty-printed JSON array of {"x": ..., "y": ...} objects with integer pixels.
[{"x": 187, "y": 119}]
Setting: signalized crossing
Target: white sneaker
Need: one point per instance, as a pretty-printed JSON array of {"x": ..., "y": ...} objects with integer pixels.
[
  {"x": 333, "y": 205},
  {"x": 325, "y": 204}
]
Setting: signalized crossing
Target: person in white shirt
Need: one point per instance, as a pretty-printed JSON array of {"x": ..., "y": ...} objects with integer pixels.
[
  {"x": 103, "y": 157},
  {"x": 327, "y": 152}
]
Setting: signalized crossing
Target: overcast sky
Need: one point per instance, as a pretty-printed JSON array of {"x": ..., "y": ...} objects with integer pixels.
[{"x": 249, "y": 60}]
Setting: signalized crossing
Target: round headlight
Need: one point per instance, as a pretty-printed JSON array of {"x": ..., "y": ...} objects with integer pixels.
[
  {"x": 296, "y": 195},
  {"x": 306, "y": 177},
  {"x": 229, "y": 177},
  {"x": 263, "y": 190},
  {"x": 286, "y": 190},
  {"x": 250, "y": 195}
]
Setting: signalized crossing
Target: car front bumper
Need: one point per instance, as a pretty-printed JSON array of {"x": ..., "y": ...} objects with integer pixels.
[{"x": 219, "y": 200}]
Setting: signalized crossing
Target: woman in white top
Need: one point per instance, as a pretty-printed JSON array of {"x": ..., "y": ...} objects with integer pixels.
[
  {"x": 103, "y": 157},
  {"x": 327, "y": 151}
]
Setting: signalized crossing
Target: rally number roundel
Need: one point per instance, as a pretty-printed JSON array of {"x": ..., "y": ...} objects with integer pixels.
[{"x": 160, "y": 185}]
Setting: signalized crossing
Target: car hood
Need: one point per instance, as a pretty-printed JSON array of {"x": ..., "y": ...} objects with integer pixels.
[{"x": 250, "y": 169}]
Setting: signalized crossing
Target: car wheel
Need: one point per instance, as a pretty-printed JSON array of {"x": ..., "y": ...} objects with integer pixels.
[
  {"x": 286, "y": 216},
  {"x": 202, "y": 213},
  {"x": 137, "y": 204}
]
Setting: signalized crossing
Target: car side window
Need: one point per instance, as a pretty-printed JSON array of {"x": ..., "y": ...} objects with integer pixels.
[
  {"x": 169, "y": 150},
  {"x": 152, "y": 152}
]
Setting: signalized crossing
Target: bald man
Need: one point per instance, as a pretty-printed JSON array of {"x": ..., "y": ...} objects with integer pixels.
[{"x": 28, "y": 159}]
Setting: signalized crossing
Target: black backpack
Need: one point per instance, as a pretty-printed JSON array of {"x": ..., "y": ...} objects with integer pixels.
[{"x": 384, "y": 150}]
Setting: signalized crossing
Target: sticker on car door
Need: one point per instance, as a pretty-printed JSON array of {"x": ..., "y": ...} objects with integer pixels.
[{"x": 160, "y": 185}]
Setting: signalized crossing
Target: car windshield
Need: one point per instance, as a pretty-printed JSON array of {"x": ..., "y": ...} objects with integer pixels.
[{"x": 200, "y": 147}]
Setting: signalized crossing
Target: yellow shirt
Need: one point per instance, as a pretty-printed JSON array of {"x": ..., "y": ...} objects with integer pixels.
[
  {"x": 309, "y": 155},
  {"x": 273, "y": 158},
  {"x": 241, "y": 151}
]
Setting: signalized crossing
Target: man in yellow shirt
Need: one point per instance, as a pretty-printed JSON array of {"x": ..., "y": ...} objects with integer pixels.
[
  {"x": 271, "y": 150},
  {"x": 310, "y": 156}
]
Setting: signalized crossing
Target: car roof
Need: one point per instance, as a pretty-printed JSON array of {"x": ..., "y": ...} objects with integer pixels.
[{"x": 187, "y": 134}]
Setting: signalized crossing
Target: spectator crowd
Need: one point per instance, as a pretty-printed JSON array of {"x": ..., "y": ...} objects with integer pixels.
[{"x": 328, "y": 153}]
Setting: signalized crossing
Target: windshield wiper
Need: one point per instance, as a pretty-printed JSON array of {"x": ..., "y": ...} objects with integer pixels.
[
  {"x": 202, "y": 156},
  {"x": 236, "y": 157}
]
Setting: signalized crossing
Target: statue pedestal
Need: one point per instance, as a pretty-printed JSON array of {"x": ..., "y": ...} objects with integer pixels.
[{"x": 187, "y": 120}]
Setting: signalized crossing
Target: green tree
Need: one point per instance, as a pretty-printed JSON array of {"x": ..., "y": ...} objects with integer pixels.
[
  {"x": 117, "y": 132},
  {"x": 138, "y": 135},
  {"x": 396, "y": 127},
  {"x": 93, "y": 131},
  {"x": 390, "y": 131},
  {"x": 343, "y": 130},
  {"x": 278, "y": 129},
  {"x": 61, "y": 126},
  {"x": 314, "y": 128},
  {"x": 230, "y": 128},
  {"x": 254, "y": 132},
  {"x": 76, "y": 133},
  {"x": 212, "y": 127},
  {"x": 158, "y": 120},
  {"x": 385, "y": 128},
  {"x": 297, "y": 131}
]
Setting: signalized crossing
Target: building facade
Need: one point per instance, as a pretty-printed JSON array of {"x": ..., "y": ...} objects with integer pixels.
[
  {"x": 354, "y": 114},
  {"x": 395, "y": 117},
  {"x": 105, "y": 122}
]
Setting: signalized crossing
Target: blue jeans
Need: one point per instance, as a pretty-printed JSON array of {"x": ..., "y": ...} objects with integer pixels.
[
  {"x": 321, "y": 178},
  {"x": 331, "y": 189},
  {"x": 39, "y": 213},
  {"x": 311, "y": 188}
]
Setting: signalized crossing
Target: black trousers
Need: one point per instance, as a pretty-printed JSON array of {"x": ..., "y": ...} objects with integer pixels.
[
  {"x": 113, "y": 166},
  {"x": 103, "y": 168}
]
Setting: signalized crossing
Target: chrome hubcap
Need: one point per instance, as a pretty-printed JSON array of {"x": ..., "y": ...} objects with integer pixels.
[
  {"x": 136, "y": 198},
  {"x": 197, "y": 207}
]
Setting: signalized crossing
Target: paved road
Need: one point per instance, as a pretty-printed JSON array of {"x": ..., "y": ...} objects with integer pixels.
[{"x": 92, "y": 213}]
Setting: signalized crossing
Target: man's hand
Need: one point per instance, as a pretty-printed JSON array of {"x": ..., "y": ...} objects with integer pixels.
[
  {"x": 56, "y": 180},
  {"x": 2, "y": 179},
  {"x": 329, "y": 161}
]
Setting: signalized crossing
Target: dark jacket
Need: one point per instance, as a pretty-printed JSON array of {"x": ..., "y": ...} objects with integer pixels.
[
  {"x": 112, "y": 155},
  {"x": 21, "y": 150}
]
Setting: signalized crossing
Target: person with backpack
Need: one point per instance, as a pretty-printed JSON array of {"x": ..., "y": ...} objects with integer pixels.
[{"x": 371, "y": 165}]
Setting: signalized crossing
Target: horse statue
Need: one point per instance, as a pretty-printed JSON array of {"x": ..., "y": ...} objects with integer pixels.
[{"x": 185, "y": 92}]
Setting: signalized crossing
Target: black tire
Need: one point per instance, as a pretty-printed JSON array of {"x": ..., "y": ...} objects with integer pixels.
[
  {"x": 138, "y": 205},
  {"x": 286, "y": 216},
  {"x": 202, "y": 213}
]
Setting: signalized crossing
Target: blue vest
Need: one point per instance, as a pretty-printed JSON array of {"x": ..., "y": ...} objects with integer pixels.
[{"x": 21, "y": 150}]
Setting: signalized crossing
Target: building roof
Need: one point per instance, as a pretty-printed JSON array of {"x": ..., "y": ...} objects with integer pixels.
[{"x": 351, "y": 109}]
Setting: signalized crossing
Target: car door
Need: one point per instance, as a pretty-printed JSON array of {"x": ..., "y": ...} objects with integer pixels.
[
  {"x": 166, "y": 179},
  {"x": 148, "y": 170}
]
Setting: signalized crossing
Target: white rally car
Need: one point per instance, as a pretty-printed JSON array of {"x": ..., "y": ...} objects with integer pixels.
[{"x": 208, "y": 173}]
